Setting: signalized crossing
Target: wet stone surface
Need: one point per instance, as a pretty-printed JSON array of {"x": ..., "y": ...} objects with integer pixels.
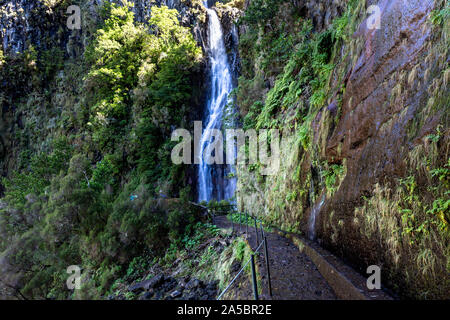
[
  {"x": 293, "y": 275},
  {"x": 161, "y": 287}
]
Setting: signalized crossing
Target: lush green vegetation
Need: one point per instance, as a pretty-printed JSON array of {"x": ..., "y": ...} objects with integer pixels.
[
  {"x": 89, "y": 197},
  {"x": 305, "y": 57},
  {"x": 331, "y": 176}
]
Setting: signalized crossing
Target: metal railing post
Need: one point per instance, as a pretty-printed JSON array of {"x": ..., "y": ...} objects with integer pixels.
[
  {"x": 267, "y": 266},
  {"x": 246, "y": 222},
  {"x": 256, "y": 232},
  {"x": 262, "y": 230},
  {"x": 240, "y": 222},
  {"x": 255, "y": 285},
  {"x": 232, "y": 224}
]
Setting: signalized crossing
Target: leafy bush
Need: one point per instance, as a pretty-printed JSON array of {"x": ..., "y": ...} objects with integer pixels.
[
  {"x": 37, "y": 176},
  {"x": 125, "y": 57}
]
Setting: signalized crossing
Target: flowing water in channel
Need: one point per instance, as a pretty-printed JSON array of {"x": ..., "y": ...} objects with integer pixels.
[{"x": 213, "y": 181}]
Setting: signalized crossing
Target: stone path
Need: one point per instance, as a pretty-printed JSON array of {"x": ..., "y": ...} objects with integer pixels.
[{"x": 293, "y": 275}]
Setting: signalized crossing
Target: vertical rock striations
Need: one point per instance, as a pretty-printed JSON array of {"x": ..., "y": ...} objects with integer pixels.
[{"x": 371, "y": 138}]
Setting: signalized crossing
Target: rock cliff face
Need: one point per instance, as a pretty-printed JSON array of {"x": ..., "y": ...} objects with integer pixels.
[
  {"x": 396, "y": 96},
  {"x": 375, "y": 142}
]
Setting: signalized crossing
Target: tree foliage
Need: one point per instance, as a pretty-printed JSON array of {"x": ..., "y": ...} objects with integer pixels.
[{"x": 89, "y": 199}]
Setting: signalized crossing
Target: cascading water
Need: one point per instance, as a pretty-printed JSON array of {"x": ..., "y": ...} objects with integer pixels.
[
  {"x": 213, "y": 181},
  {"x": 312, "y": 218},
  {"x": 316, "y": 207}
]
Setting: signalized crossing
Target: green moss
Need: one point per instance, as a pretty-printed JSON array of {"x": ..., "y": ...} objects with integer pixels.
[
  {"x": 438, "y": 17},
  {"x": 331, "y": 176}
]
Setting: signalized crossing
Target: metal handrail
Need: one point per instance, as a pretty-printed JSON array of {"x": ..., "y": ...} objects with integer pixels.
[
  {"x": 239, "y": 273},
  {"x": 215, "y": 206},
  {"x": 258, "y": 244},
  {"x": 232, "y": 281}
]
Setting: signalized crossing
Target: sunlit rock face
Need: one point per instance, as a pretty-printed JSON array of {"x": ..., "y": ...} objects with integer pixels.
[
  {"x": 372, "y": 131},
  {"x": 22, "y": 23},
  {"x": 391, "y": 103}
]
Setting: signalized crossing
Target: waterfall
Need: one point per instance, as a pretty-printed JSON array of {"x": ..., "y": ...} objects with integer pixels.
[
  {"x": 316, "y": 207},
  {"x": 213, "y": 180},
  {"x": 313, "y": 216}
]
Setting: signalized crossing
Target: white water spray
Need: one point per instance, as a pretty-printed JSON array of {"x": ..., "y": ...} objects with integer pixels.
[
  {"x": 313, "y": 216},
  {"x": 212, "y": 181}
]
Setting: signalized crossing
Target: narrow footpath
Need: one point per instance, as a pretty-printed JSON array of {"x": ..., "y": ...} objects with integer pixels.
[{"x": 293, "y": 275}]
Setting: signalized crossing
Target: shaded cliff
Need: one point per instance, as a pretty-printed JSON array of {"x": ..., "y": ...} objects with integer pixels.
[{"x": 364, "y": 114}]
